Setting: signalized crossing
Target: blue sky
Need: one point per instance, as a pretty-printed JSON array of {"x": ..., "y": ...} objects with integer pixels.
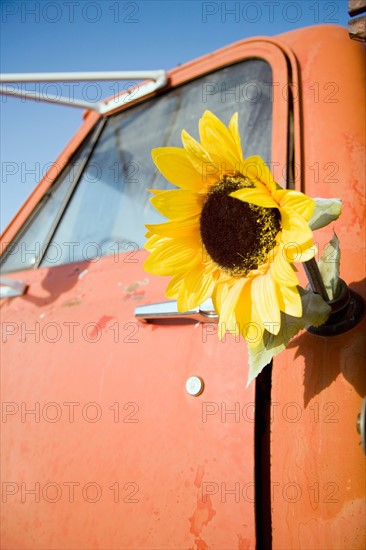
[{"x": 78, "y": 35}]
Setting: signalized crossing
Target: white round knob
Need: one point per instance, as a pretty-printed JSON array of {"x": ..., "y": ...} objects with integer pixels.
[{"x": 194, "y": 385}]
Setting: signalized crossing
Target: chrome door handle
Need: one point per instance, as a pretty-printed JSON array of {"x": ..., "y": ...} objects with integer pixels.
[
  {"x": 205, "y": 313},
  {"x": 361, "y": 424}
]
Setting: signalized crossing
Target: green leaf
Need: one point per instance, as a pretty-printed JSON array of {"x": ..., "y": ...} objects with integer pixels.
[
  {"x": 325, "y": 212},
  {"x": 329, "y": 267},
  {"x": 315, "y": 313}
]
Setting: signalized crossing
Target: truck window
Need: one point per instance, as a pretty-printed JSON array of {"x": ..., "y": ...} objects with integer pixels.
[{"x": 107, "y": 211}]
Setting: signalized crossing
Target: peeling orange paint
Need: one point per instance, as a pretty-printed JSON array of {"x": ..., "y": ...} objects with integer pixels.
[
  {"x": 201, "y": 545},
  {"x": 243, "y": 543},
  {"x": 202, "y": 515},
  {"x": 101, "y": 324},
  {"x": 199, "y": 476}
]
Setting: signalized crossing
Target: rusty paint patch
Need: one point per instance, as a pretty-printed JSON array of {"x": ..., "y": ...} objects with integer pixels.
[
  {"x": 71, "y": 303},
  {"x": 133, "y": 290},
  {"x": 133, "y": 286},
  {"x": 243, "y": 543},
  {"x": 200, "y": 544},
  {"x": 100, "y": 325},
  {"x": 204, "y": 511},
  {"x": 137, "y": 295},
  {"x": 202, "y": 515},
  {"x": 199, "y": 476}
]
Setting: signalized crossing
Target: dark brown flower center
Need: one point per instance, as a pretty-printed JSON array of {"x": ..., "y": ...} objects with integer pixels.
[{"x": 237, "y": 235}]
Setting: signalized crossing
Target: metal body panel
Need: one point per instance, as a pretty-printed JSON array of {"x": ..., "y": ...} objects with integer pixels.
[{"x": 318, "y": 475}]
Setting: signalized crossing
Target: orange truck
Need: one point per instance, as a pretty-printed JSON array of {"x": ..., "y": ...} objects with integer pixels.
[{"x": 128, "y": 425}]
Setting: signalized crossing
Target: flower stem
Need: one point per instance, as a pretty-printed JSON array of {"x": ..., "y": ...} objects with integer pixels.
[{"x": 315, "y": 278}]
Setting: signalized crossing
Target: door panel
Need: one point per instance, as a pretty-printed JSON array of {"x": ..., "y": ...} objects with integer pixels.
[
  {"x": 105, "y": 447},
  {"x": 116, "y": 453}
]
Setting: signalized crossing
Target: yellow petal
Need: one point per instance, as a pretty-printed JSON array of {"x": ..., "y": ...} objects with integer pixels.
[
  {"x": 294, "y": 252},
  {"x": 249, "y": 322},
  {"x": 156, "y": 191},
  {"x": 282, "y": 271},
  {"x": 177, "y": 228},
  {"x": 178, "y": 203},
  {"x": 266, "y": 303},
  {"x": 254, "y": 330},
  {"x": 198, "y": 287},
  {"x": 227, "y": 310},
  {"x": 175, "y": 166},
  {"x": 173, "y": 257},
  {"x": 243, "y": 307},
  {"x": 297, "y": 201},
  {"x": 295, "y": 230},
  {"x": 173, "y": 288},
  {"x": 255, "y": 196},
  {"x": 308, "y": 251},
  {"x": 219, "y": 294},
  {"x": 255, "y": 168},
  {"x": 218, "y": 142},
  {"x": 154, "y": 241},
  {"x": 289, "y": 300},
  {"x": 234, "y": 129},
  {"x": 194, "y": 148},
  {"x": 201, "y": 160}
]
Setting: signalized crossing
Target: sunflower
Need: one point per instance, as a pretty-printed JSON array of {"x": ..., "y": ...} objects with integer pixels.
[{"x": 233, "y": 233}]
